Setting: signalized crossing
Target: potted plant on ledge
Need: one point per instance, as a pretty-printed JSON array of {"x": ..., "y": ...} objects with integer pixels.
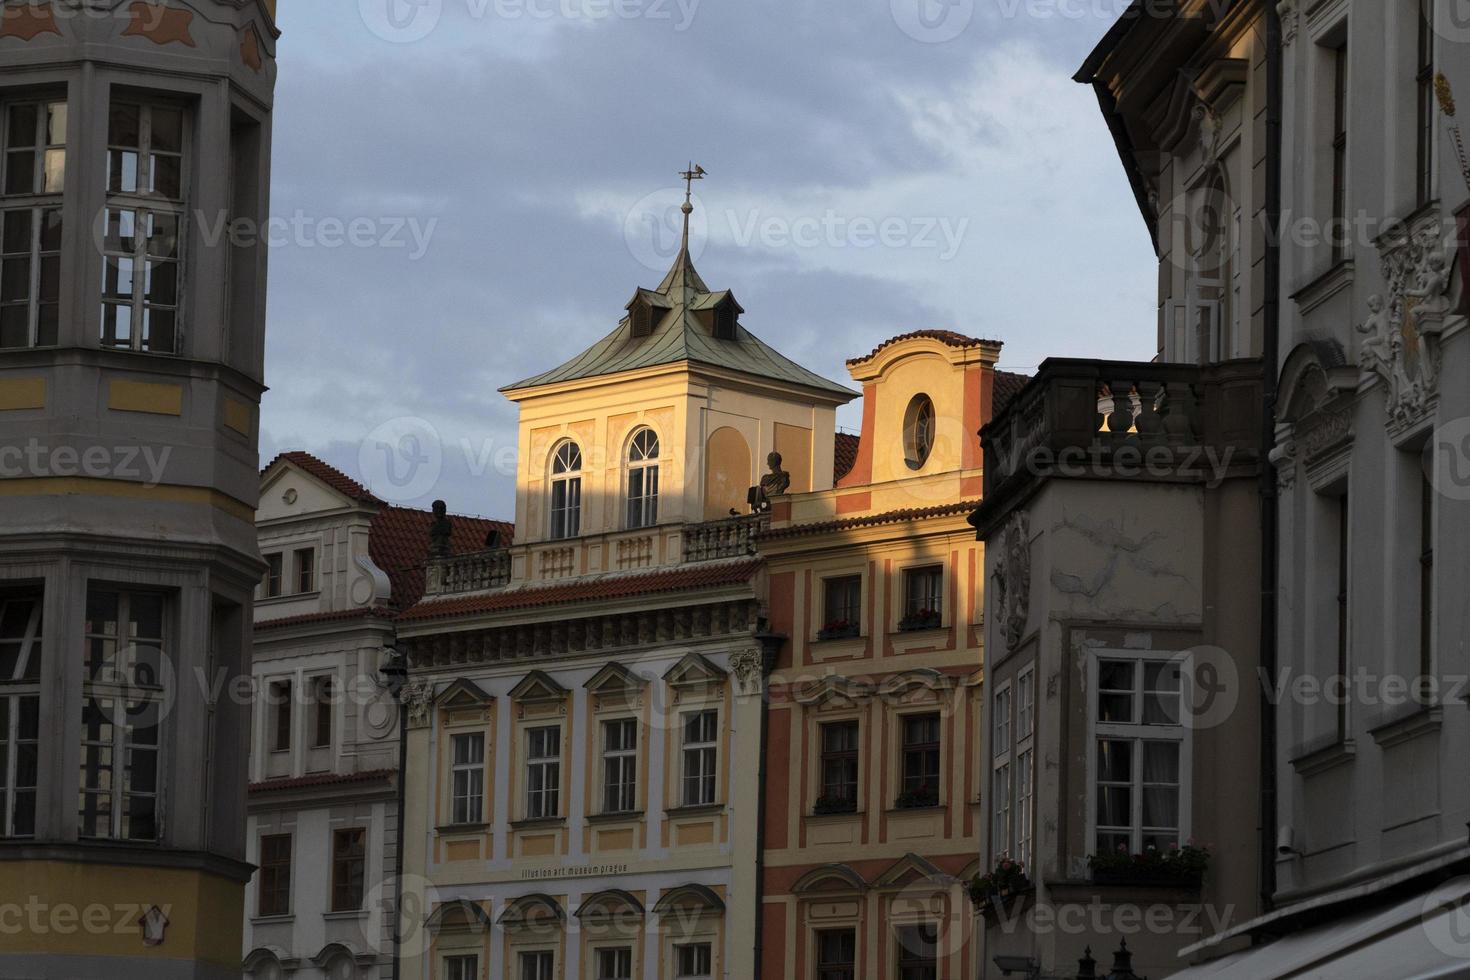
[
  {"x": 1175, "y": 866},
  {"x": 828, "y": 805},
  {"x": 999, "y": 885},
  {"x": 838, "y": 629},
  {"x": 917, "y": 798},
  {"x": 921, "y": 619}
]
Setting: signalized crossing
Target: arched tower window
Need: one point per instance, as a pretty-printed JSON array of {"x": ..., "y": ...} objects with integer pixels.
[
  {"x": 643, "y": 479},
  {"x": 566, "y": 491}
]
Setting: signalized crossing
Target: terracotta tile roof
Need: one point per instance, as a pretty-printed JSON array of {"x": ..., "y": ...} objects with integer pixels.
[
  {"x": 844, "y": 455},
  {"x": 340, "y": 615},
  {"x": 398, "y": 543},
  {"x": 1007, "y": 386},
  {"x": 871, "y": 520},
  {"x": 329, "y": 475},
  {"x": 948, "y": 337},
  {"x": 682, "y": 579},
  {"x": 322, "y": 779}
]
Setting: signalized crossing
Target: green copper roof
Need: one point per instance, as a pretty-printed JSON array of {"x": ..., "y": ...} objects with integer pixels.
[{"x": 679, "y": 335}]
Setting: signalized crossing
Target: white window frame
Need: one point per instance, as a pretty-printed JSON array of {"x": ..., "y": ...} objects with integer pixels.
[
  {"x": 42, "y": 201},
  {"x": 622, "y": 759},
  {"x": 1023, "y": 810},
  {"x": 545, "y": 964},
  {"x": 455, "y": 966},
  {"x": 1000, "y": 771},
  {"x": 1138, "y": 733},
  {"x": 616, "y": 952},
  {"x": 467, "y": 779},
  {"x": 565, "y": 522},
  {"x": 545, "y": 764},
  {"x": 15, "y": 691},
  {"x": 680, "y": 973},
  {"x": 703, "y": 750},
  {"x": 910, "y": 574},
  {"x": 641, "y": 509},
  {"x": 144, "y": 205}
]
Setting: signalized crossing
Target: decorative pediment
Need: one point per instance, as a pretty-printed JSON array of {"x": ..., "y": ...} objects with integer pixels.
[
  {"x": 537, "y": 687},
  {"x": 458, "y": 915},
  {"x": 920, "y": 677},
  {"x": 688, "y": 898},
  {"x": 828, "y": 879},
  {"x": 1012, "y": 577},
  {"x": 694, "y": 669},
  {"x": 833, "y": 691},
  {"x": 911, "y": 870},
  {"x": 261, "y": 958},
  {"x": 615, "y": 680},
  {"x": 613, "y": 901},
  {"x": 337, "y": 952},
  {"x": 463, "y": 693},
  {"x": 532, "y": 911}
]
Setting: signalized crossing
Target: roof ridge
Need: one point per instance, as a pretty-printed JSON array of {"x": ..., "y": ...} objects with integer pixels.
[
  {"x": 951, "y": 338},
  {"x": 327, "y": 473}
]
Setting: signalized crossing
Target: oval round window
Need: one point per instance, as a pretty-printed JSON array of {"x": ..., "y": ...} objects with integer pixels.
[{"x": 918, "y": 431}]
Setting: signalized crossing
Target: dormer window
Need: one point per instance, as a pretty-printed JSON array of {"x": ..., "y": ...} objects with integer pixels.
[
  {"x": 643, "y": 479},
  {"x": 566, "y": 491},
  {"x": 644, "y": 316}
]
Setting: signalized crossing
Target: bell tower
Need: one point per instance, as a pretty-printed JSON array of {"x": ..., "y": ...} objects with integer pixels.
[{"x": 135, "y": 142}]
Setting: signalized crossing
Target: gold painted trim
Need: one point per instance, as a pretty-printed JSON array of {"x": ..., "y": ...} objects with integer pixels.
[
  {"x": 88, "y": 487},
  {"x": 22, "y": 393},
  {"x": 143, "y": 396}
]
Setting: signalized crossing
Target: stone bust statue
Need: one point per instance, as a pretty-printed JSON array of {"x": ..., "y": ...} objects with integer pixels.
[{"x": 772, "y": 484}]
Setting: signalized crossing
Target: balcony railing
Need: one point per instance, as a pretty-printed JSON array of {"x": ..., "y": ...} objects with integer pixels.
[
  {"x": 733, "y": 537},
  {"x": 1124, "y": 420},
  {"x": 473, "y": 572}
]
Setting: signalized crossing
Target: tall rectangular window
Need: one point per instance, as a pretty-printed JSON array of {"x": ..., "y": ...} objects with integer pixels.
[
  {"x": 322, "y": 705},
  {"x": 1025, "y": 775},
  {"x": 1341, "y": 238},
  {"x": 693, "y": 961},
  {"x": 20, "y": 711},
  {"x": 540, "y": 965},
  {"x": 543, "y": 772},
  {"x": 1426, "y": 582},
  {"x": 701, "y": 757},
  {"x": 1000, "y": 772},
  {"x": 837, "y": 954},
  {"x": 1343, "y": 517},
  {"x": 461, "y": 968},
  {"x": 122, "y": 706},
  {"x": 468, "y": 804},
  {"x": 1425, "y": 105},
  {"x": 615, "y": 964},
  {"x": 918, "y": 952},
  {"x": 349, "y": 865},
  {"x": 620, "y": 765},
  {"x": 275, "y": 875},
  {"x": 34, "y": 163},
  {"x": 839, "y": 767},
  {"x": 923, "y": 595},
  {"x": 566, "y": 491},
  {"x": 842, "y": 605},
  {"x": 274, "y": 573},
  {"x": 279, "y": 707},
  {"x": 1139, "y": 764},
  {"x": 305, "y": 570},
  {"x": 921, "y": 760},
  {"x": 144, "y": 226}
]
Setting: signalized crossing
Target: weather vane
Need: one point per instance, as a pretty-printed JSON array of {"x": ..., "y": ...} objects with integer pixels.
[{"x": 695, "y": 172}]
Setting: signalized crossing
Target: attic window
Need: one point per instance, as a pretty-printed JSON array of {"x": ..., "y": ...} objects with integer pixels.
[
  {"x": 724, "y": 328},
  {"x": 645, "y": 318}
]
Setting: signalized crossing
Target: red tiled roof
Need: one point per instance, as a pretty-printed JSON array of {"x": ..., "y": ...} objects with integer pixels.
[
  {"x": 322, "y": 779},
  {"x": 948, "y": 337},
  {"x": 844, "y": 454},
  {"x": 340, "y": 615},
  {"x": 1008, "y": 385},
  {"x": 870, "y": 520},
  {"x": 680, "y": 579},
  {"x": 329, "y": 475},
  {"x": 398, "y": 543}
]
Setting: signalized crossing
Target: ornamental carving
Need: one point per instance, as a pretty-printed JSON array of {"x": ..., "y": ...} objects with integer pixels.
[
  {"x": 1400, "y": 337},
  {"x": 160, "y": 23},
  {"x": 749, "y": 668},
  {"x": 418, "y": 699},
  {"x": 26, "y": 21},
  {"x": 1013, "y": 579},
  {"x": 1287, "y": 11}
]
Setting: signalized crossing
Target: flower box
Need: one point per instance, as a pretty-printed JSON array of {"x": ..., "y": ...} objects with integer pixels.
[
  {"x": 828, "y": 805},
  {"x": 998, "y": 887},
  {"x": 923, "y": 619},
  {"x": 1173, "y": 867},
  {"x": 839, "y": 630},
  {"x": 915, "y": 799}
]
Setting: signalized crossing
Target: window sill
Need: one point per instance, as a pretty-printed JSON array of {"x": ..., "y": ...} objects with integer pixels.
[
  {"x": 922, "y": 628},
  {"x": 534, "y": 823},
  {"x": 1313, "y": 761},
  {"x": 272, "y": 920},
  {"x": 1398, "y": 727},
  {"x": 286, "y": 597},
  {"x": 621, "y": 816},
  {"x": 839, "y": 815},
  {"x": 346, "y": 916},
  {"x": 461, "y": 828},
  {"x": 927, "y": 808},
  {"x": 696, "y": 809}
]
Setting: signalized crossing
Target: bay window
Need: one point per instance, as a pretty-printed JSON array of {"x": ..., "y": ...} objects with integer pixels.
[
  {"x": 144, "y": 226},
  {"x": 34, "y": 164},
  {"x": 122, "y": 705}
]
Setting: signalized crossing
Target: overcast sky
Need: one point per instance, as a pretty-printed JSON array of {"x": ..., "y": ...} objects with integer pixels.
[{"x": 468, "y": 191}]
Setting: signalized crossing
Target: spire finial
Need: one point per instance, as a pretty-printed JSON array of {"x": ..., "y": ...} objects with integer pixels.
[{"x": 695, "y": 172}]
